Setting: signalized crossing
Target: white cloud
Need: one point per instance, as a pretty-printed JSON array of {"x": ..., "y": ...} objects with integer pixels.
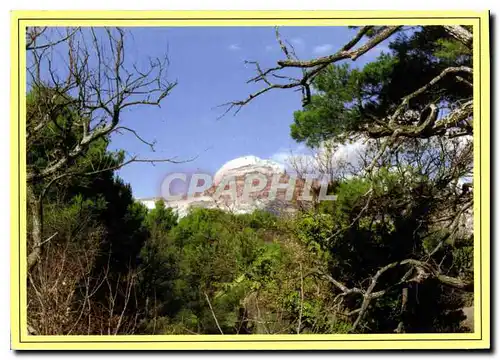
[
  {"x": 297, "y": 41},
  {"x": 234, "y": 47},
  {"x": 269, "y": 48},
  {"x": 280, "y": 157},
  {"x": 312, "y": 160},
  {"x": 322, "y": 49},
  {"x": 350, "y": 152},
  {"x": 283, "y": 155}
]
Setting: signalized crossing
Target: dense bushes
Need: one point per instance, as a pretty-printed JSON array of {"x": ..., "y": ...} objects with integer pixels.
[{"x": 214, "y": 272}]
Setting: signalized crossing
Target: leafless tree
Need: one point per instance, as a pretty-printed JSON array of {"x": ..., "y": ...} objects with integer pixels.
[
  {"x": 84, "y": 71},
  {"x": 80, "y": 82}
]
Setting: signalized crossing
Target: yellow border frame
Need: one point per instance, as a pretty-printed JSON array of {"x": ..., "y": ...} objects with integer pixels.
[{"x": 480, "y": 339}]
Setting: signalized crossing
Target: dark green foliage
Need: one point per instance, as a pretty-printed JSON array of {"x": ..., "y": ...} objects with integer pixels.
[{"x": 349, "y": 99}]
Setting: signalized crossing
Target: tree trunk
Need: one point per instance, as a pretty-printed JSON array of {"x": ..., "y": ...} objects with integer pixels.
[
  {"x": 404, "y": 306},
  {"x": 36, "y": 209}
]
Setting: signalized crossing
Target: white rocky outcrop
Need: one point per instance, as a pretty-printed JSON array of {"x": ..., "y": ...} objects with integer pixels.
[{"x": 236, "y": 169}]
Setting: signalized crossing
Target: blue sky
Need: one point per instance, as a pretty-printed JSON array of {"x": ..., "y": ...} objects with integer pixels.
[{"x": 208, "y": 63}]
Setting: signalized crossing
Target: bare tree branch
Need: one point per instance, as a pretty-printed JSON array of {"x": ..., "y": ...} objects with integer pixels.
[
  {"x": 213, "y": 314},
  {"x": 103, "y": 92},
  {"x": 424, "y": 272},
  {"x": 33, "y": 34},
  {"x": 346, "y": 51},
  {"x": 310, "y": 68}
]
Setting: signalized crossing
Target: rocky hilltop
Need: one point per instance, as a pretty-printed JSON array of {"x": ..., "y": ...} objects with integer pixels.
[{"x": 235, "y": 174}]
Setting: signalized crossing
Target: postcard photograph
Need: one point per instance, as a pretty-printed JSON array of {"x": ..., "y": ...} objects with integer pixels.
[{"x": 268, "y": 181}]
